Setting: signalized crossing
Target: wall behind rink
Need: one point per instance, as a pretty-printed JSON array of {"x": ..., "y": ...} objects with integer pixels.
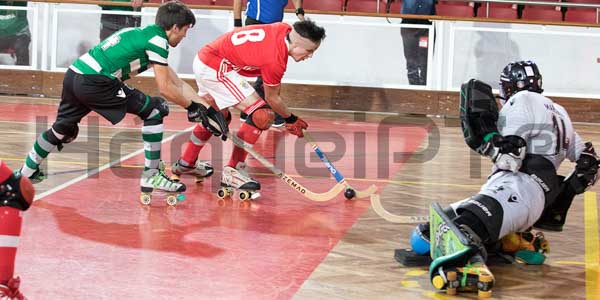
[{"x": 364, "y": 52}]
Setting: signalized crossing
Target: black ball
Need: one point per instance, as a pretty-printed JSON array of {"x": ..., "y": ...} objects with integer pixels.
[{"x": 349, "y": 193}]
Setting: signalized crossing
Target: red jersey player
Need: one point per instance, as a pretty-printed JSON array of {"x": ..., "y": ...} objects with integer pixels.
[
  {"x": 16, "y": 194},
  {"x": 219, "y": 68}
]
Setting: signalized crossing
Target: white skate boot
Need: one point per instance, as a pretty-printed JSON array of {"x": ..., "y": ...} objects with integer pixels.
[
  {"x": 236, "y": 182},
  {"x": 201, "y": 170},
  {"x": 155, "y": 180}
]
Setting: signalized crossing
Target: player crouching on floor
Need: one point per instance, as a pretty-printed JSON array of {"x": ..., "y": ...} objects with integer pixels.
[{"x": 527, "y": 141}]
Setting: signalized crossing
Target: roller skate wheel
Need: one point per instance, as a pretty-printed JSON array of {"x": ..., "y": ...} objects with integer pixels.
[
  {"x": 171, "y": 200},
  {"x": 244, "y": 195},
  {"x": 484, "y": 294},
  {"x": 485, "y": 278},
  {"x": 438, "y": 282},
  {"x": 145, "y": 198},
  {"x": 222, "y": 193},
  {"x": 175, "y": 178},
  {"x": 199, "y": 179},
  {"x": 181, "y": 197},
  {"x": 452, "y": 283}
]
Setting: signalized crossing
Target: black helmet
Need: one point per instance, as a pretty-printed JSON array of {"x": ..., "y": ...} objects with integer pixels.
[{"x": 518, "y": 76}]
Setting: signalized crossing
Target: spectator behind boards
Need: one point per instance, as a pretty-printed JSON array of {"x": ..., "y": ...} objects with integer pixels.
[
  {"x": 416, "y": 40},
  {"x": 14, "y": 32}
]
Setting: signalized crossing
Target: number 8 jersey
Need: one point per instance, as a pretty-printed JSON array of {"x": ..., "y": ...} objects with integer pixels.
[{"x": 251, "y": 51}]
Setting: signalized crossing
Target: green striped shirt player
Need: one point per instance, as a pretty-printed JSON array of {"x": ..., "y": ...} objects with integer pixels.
[
  {"x": 126, "y": 53},
  {"x": 94, "y": 82}
]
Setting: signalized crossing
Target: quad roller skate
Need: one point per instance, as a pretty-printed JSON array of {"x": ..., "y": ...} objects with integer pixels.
[
  {"x": 37, "y": 176},
  {"x": 155, "y": 181},
  {"x": 458, "y": 264},
  {"x": 528, "y": 247},
  {"x": 236, "y": 184},
  {"x": 472, "y": 277},
  {"x": 201, "y": 170},
  {"x": 10, "y": 289}
]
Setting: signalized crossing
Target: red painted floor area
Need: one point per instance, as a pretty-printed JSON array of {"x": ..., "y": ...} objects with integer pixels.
[{"x": 93, "y": 240}]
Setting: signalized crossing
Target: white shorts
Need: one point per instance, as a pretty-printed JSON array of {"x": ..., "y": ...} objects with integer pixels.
[
  {"x": 522, "y": 200},
  {"x": 228, "y": 89}
]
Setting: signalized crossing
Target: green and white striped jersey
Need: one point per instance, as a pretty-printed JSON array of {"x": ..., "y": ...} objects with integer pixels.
[{"x": 125, "y": 53}]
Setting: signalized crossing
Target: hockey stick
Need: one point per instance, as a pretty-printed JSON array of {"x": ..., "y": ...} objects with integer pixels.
[
  {"x": 350, "y": 191},
  {"x": 386, "y": 215},
  {"x": 318, "y": 197}
]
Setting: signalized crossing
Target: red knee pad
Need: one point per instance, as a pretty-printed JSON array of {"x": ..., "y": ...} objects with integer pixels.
[{"x": 262, "y": 118}]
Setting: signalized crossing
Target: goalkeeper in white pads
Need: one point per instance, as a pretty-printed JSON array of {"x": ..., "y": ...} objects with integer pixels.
[{"x": 527, "y": 140}]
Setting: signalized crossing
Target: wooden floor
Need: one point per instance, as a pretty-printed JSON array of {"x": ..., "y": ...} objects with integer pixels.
[{"x": 81, "y": 234}]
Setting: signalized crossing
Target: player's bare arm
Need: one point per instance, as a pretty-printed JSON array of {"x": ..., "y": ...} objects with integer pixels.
[
  {"x": 167, "y": 88},
  {"x": 237, "y": 13},
  {"x": 299, "y": 9},
  {"x": 274, "y": 100}
]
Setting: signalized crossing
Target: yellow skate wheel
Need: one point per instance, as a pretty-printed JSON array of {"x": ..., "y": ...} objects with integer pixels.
[
  {"x": 222, "y": 193},
  {"x": 145, "y": 198},
  {"x": 244, "y": 195},
  {"x": 438, "y": 282},
  {"x": 171, "y": 200},
  {"x": 175, "y": 177}
]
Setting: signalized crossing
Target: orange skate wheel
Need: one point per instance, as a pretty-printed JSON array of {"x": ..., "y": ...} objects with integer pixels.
[
  {"x": 452, "y": 278},
  {"x": 484, "y": 286},
  {"x": 484, "y": 294}
]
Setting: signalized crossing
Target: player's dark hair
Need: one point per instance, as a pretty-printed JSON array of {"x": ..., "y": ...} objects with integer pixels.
[
  {"x": 174, "y": 13},
  {"x": 310, "y": 30}
]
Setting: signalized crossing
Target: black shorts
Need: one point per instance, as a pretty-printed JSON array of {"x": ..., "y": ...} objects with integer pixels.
[{"x": 109, "y": 97}]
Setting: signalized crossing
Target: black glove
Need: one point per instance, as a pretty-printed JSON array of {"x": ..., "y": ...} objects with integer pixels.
[
  {"x": 237, "y": 22},
  {"x": 199, "y": 114},
  {"x": 586, "y": 170},
  {"x": 218, "y": 118}
]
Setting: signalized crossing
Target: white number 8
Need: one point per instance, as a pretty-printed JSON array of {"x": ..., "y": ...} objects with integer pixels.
[{"x": 252, "y": 35}]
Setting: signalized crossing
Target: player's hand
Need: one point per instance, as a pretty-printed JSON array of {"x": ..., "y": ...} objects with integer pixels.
[
  {"x": 199, "y": 114},
  {"x": 587, "y": 167},
  {"x": 217, "y": 118},
  {"x": 295, "y": 125},
  {"x": 300, "y": 13}
]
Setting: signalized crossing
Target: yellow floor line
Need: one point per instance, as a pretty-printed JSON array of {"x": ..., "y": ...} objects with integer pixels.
[{"x": 591, "y": 246}]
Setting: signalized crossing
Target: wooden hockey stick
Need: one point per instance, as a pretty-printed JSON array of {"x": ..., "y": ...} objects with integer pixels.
[
  {"x": 336, "y": 174},
  {"x": 318, "y": 197},
  {"x": 378, "y": 208}
]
